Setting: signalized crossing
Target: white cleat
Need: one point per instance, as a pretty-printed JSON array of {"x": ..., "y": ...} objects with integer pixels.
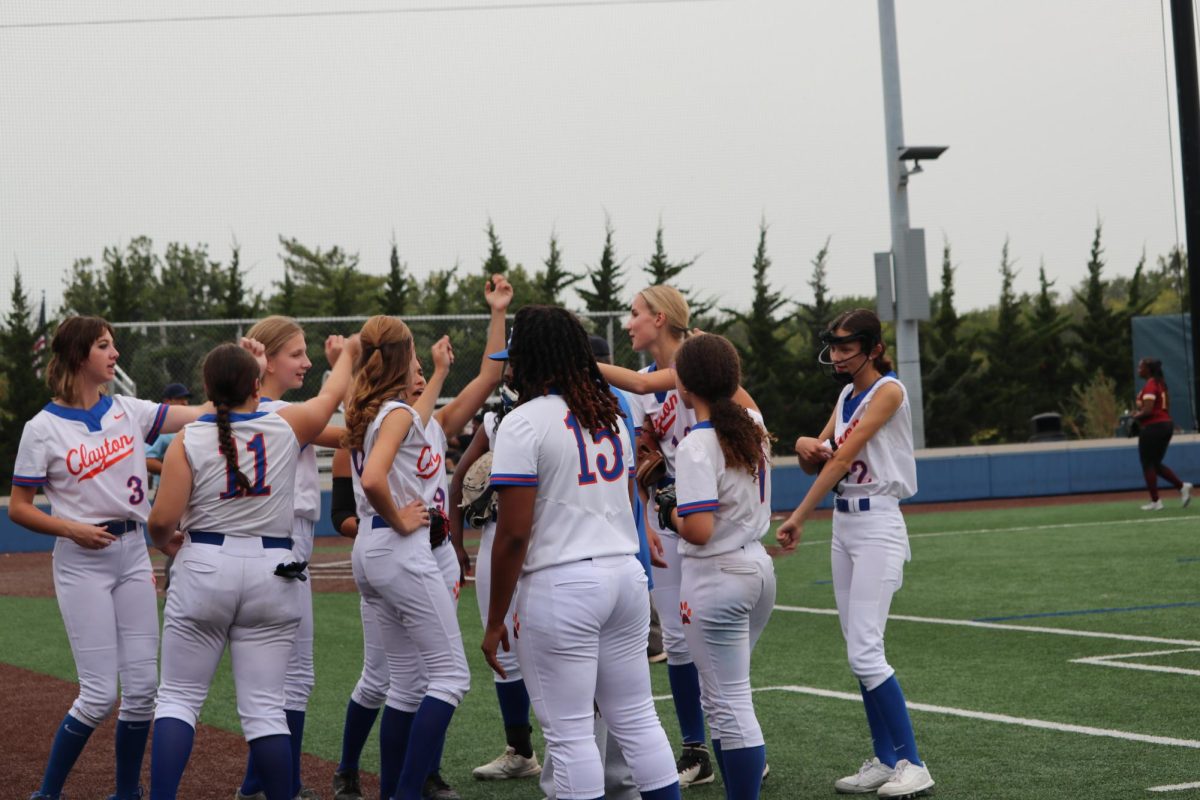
[
  {"x": 508, "y": 765},
  {"x": 908, "y": 780},
  {"x": 1153, "y": 505},
  {"x": 870, "y": 776},
  {"x": 1185, "y": 494}
]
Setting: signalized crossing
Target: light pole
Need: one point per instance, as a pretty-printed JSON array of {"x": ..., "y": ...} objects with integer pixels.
[{"x": 901, "y": 282}]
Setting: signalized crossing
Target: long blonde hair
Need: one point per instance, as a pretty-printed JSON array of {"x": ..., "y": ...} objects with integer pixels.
[
  {"x": 274, "y": 332},
  {"x": 69, "y": 349},
  {"x": 668, "y": 301},
  {"x": 380, "y": 374}
]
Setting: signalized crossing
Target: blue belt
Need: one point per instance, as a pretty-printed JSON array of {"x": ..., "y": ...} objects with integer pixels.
[
  {"x": 861, "y": 504},
  {"x": 379, "y": 522},
  {"x": 119, "y": 526},
  {"x": 268, "y": 542}
]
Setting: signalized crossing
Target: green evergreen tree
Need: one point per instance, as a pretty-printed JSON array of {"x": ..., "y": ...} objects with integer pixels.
[
  {"x": 761, "y": 341},
  {"x": 947, "y": 368},
  {"x": 661, "y": 269},
  {"x": 284, "y": 301},
  {"x": 84, "y": 292},
  {"x": 1102, "y": 329},
  {"x": 437, "y": 294},
  {"x": 398, "y": 288},
  {"x": 24, "y": 393},
  {"x": 554, "y": 279},
  {"x": 812, "y": 389},
  {"x": 240, "y": 303},
  {"x": 190, "y": 285},
  {"x": 1049, "y": 351},
  {"x": 1005, "y": 347},
  {"x": 496, "y": 261},
  {"x": 607, "y": 286},
  {"x": 328, "y": 283}
]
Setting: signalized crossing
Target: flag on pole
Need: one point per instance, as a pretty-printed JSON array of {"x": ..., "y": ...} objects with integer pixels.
[{"x": 39, "y": 344}]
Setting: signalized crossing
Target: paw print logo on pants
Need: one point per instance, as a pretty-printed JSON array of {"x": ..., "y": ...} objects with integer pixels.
[
  {"x": 685, "y": 612},
  {"x": 516, "y": 625},
  {"x": 457, "y": 589}
]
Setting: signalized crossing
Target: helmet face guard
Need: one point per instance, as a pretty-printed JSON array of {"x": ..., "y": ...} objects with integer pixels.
[{"x": 824, "y": 358}]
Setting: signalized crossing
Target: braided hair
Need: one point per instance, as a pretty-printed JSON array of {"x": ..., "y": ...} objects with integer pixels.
[
  {"x": 708, "y": 367},
  {"x": 550, "y": 351},
  {"x": 230, "y": 379},
  {"x": 381, "y": 373}
]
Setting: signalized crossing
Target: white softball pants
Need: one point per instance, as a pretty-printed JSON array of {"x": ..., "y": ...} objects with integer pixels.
[
  {"x": 229, "y": 593},
  {"x": 666, "y": 600},
  {"x": 483, "y": 591},
  {"x": 110, "y": 612},
  {"x": 408, "y": 598},
  {"x": 726, "y": 601},
  {"x": 867, "y": 555},
  {"x": 301, "y": 675},
  {"x": 582, "y": 637}
]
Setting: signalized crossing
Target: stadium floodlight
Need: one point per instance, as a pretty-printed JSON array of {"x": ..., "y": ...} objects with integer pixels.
[{"x": 917, "y": 155}]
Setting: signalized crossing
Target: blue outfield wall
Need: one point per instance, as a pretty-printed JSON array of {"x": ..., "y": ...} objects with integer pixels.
[{"x": 943, "y": 475}]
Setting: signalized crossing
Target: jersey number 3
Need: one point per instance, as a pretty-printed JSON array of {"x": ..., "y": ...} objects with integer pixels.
[
  {"x": 609, "y": 469},
  {"x": 258, "y": 447}
]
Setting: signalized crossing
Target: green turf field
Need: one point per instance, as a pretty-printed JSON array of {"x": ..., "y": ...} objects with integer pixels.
[{"x": 1050, "y": 652}]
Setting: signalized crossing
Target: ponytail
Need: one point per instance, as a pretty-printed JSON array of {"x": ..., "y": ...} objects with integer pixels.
[
  {"x": 743, "y": 441},
  {"x": 228, "y": 448}
]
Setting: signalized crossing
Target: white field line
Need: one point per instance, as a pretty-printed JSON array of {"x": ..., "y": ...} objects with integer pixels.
[
  {"x": 330, "y": 565},
  {"x": 1178, "y": 787},
  {"x": 1000, "y": 626},
  {"x": 1026, "y": 528},
  {"x": 1118, "y": 660},
  {"x": 1005, "y": 719}
]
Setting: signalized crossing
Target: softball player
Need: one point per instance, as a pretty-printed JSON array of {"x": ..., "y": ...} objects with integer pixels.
[
  {"x": 865, "y": 454},
  {"x": 658, "y": 324},
  {"x": 287, "y": 365},
  {"x": 565, "y": 527},
  {"x": 86, "y": 451},
  {"x": 727, "y": 591},
  {"x": 404, "y": 684},
  {"x": 1154, "y": 434},
  {"x": 230, "y": 586}
]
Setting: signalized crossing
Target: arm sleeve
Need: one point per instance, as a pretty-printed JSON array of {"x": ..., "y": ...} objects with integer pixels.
[
  {"x": 514, "y": 462},
  {"x": 695, "y": 479},
  {"x": 31, "y": 463},
  {"x": 147, "y": 416},
  {"x": 341, "y": 503}
]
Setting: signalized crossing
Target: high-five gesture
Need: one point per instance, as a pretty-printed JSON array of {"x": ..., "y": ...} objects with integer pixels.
[{"x": 499, "y": 293}]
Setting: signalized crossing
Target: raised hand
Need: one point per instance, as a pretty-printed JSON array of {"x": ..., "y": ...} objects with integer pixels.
[
  {"x": 443, "y": 354},
  {"x": 255, "y": 348},
  {"x": 334, "y": 345},
  {"x": 498, "y": 292}
]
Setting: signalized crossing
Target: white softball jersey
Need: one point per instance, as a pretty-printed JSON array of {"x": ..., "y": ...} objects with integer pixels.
[
  {"x": 886, "y": 465},
  {"x": 418, "y": 471},
  {"x": 669, "y": 417},
  {"x": 438, "y": 443},
  {"x": 740, "y": 502},
  {"x": 91, "y": 462},
  {"x": 267, "y": 454},
  {"x": 582, "y": 508},
  {"x": 307, "y": 496}
]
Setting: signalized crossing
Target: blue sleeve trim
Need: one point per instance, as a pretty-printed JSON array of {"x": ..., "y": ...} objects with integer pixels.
[
  {"x": 159, "y": 418},
  {"x": 499, "y": 479},
  {"x": 696, "y": 507},
  {"x": 28, "y": 480}
]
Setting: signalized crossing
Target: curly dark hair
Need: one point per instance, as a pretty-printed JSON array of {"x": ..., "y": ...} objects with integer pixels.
[
  {"x": 708, "y": 367},
  {"x": 550, "y": 351},
  {"x": 230, "y": 374}
]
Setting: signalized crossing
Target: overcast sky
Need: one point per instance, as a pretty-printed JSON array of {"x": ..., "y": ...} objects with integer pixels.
[{"x": 708, "y": 115}]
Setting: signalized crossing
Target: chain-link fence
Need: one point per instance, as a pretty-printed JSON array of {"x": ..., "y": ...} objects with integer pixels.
[{"x": 154, "y": 354}]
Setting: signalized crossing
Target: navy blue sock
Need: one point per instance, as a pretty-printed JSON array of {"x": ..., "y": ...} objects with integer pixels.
[
  {"x": 394, "y": 729},
  {"x": 131, "y": 749},
  {"x": 68, "y": 744},
  {"x": 685, "y": 692},
  {"x": 436, "y": 769},
  {"x": 716, "y": 752},
  {"x": 295, "y": 721},
  {"x": 889, "y": 701},
  {"x": 670, "y": 792},
  {"x": 172, "y": 746},
  {"x": 428, "y": 732},
  {"x": 359, "y": 721},
  {"x": 514, "y": 703},
  {"x": 881, "y": 738},
  {"x": 250, "y": 782},
  {"x": 743, "y": 771},
  {"x": 273, "y": 755}
]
